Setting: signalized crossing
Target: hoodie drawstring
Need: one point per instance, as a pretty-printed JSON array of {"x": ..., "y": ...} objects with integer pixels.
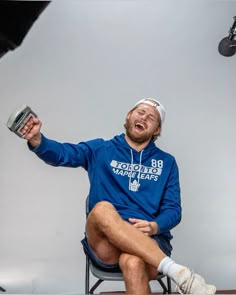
[{"x": 133, "y": 186}]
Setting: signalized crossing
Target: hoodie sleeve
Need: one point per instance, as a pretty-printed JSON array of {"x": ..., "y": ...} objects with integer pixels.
[
  {"x": 63, "y": 154},
  {"x": 170, "y": 210}
]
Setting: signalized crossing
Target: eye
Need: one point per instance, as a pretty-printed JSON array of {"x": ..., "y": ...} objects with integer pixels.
[
  {"x": 140, "y": 112},
  {"x": 151, "y": 117}
]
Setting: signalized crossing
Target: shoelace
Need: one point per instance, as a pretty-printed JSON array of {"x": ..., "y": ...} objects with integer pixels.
[{"x": 186, "y": 285}]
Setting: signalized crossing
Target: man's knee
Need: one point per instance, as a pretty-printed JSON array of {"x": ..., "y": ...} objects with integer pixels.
[
  {"x": 101, "y": 207},
  {"x": 134, "y": 265},
  {"x": 100, "y": 211},
  {"x": 131, "y": 263}
]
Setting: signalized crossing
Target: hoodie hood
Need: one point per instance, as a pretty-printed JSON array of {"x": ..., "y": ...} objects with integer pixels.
[{"x": 120, "y": 140}]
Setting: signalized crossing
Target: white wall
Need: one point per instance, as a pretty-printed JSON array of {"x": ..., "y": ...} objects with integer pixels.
[{"x": 81, "y": 67}]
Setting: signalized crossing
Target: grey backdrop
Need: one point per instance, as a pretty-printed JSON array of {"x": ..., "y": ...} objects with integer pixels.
[{"x": 81, "y": 67}]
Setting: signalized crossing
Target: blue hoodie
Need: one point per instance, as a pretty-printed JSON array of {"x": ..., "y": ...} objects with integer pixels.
[{"x": 142, "y": 185}]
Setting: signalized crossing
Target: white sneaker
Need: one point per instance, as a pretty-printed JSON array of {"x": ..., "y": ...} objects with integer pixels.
[{"x": 191, "y": 283}]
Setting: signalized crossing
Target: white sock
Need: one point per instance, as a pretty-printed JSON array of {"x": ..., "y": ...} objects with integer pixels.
[{"x": 168, "y": 267}]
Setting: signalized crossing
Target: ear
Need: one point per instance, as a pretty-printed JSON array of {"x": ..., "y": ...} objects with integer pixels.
[
  {"x": 157, "y": 132},
  {"x": 128, "y": 115}
]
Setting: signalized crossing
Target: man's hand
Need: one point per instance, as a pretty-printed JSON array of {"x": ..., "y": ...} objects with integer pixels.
[
  {"x": 149, "y": 228},
  {"x": 32, "y": 131}
]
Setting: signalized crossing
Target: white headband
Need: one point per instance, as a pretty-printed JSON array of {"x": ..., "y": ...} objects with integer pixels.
[{"x": 156, "y": 104}]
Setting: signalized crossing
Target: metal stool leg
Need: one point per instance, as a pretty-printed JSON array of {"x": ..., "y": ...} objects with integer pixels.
[{"x": 169, "y": 285}]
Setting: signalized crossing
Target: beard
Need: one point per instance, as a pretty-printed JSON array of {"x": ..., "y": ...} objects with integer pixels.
[{"x": 139, "y": 138}]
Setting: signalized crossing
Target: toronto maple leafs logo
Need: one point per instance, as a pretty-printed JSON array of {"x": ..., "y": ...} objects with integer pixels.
[{"x": 134, "y": 186}]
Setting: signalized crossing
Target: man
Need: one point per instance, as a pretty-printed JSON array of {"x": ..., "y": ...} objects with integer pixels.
[{"x": 134, "y": 199}]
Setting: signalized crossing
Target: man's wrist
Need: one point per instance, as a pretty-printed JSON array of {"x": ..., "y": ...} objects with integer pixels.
[
  {"x": 154, "y": 227},
  {"x": 35, "y": 140}
]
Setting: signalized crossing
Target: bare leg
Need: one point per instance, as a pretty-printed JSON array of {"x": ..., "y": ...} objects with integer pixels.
[
  {"x": 109, "y": 235},
  {"x": 137, "y": 274}
]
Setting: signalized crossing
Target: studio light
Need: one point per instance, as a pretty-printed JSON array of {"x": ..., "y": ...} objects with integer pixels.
[
  {"x": 227, "y": 46},
  {"x": 16, "y": 19}
]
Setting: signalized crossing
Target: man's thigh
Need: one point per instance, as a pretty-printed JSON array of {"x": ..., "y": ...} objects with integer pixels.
[{"x": 100, "y": 244}]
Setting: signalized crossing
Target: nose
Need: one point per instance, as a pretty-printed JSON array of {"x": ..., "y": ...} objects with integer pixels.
[{"x": 144, "y": 117}]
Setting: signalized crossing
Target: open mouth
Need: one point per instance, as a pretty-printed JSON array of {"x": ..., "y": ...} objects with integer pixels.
[{"x": 139, "y": 126}]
